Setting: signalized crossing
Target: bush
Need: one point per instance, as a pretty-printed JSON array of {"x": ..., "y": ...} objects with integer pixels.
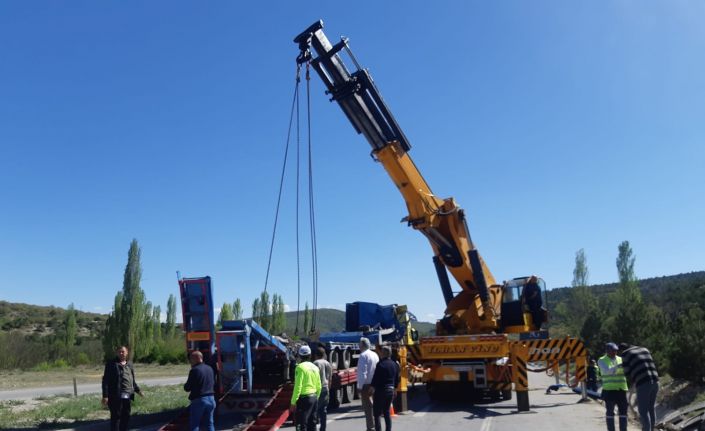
[
  {"x": 688, "y": 348},
  {"x": 81, "y": 359}
]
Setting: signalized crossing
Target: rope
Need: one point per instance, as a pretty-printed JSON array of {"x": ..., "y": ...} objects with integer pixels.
[
  {"x": 312, "y": 216},
  {"x": 298, "y": 164},
  {"x": 294, "y": 104},
  {"x": 541, "y": 370}
]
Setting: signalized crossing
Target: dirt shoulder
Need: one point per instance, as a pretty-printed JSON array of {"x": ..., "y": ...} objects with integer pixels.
[
  {"x": 22, "y": 379},
  {"x": 676, "y": 394}
]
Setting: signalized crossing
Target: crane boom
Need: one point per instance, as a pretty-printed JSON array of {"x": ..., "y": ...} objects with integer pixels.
[{"x": 477, "y": 307}]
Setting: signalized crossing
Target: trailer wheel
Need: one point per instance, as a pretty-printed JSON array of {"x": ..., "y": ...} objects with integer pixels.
[
  {"x": 349, "y": 393},
  {"x": 340, "y": 395},
  {"x": 345, "y": 359},
  {"x": 334, "y": 359}
]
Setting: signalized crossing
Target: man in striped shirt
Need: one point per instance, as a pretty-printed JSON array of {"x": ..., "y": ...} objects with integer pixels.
[{"x": 641, "y": 371}]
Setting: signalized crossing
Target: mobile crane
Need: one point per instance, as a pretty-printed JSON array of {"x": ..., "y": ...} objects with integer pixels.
[{"x": 471, "y": 348}]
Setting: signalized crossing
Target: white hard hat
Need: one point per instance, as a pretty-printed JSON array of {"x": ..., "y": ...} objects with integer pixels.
[{"x": 304, "y": 350}]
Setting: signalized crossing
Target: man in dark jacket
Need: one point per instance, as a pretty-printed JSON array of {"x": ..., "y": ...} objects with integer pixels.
[
  {"x": 119, "y": 387},
  {"x": 201, "y": 384},
  {"x": 533, "y": 301},
  {"x": 384, "y": 382}
]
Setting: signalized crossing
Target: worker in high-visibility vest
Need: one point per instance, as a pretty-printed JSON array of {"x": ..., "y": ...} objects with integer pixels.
[
  {"x": 307, "y": 389},
  {"x": 614, "y": 386}
]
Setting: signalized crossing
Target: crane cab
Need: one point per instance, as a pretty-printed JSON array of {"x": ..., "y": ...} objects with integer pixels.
[{"x": 522, "y": 306}]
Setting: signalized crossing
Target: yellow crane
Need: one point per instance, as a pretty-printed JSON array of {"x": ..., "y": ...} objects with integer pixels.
[{"x": 471, "y": 348}]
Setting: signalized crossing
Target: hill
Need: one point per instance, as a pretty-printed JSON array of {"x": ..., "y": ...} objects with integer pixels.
[
  {"x": 46, "y": 320},
  {"x": 654, "y": 290},
  {"x": 663, "y": 314}
]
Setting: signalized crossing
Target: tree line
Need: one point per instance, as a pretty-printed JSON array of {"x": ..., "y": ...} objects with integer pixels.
[
  {"x": 670, "y": 322},
  {"x": 269, "y": 314}
]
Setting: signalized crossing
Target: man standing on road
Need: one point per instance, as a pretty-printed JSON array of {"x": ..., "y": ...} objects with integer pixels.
[
  {"x": 326, "y": 374},
  {"x": 119, "y": 387},
  {"x": 307, "y": 389},
  {"x": 384, "y": 383},
  {"x": 614, "y": 386},
  {"x": 201, "y": 384},
  {"x": 640, "y": 369},
  {"x": 365, "y": 370}
]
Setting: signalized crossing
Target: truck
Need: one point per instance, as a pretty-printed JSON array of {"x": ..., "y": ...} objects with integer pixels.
[
  {"x": 381, "y": 324},
  {"x": 252, "y": 366},
  {"x": 472, "y": 351}
]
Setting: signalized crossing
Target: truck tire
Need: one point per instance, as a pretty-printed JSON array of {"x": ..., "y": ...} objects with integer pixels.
[
  {"x": 344, "y": 359},
  {"x": 349, "y": 393},
  {"x": 334, "y": 359},
  {"x": 507, "y": 395}
]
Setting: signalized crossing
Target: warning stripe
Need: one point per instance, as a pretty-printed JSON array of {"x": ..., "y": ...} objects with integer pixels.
[
  {"x": 522, "y": 378},
  {"x": 552, "y": 349}
]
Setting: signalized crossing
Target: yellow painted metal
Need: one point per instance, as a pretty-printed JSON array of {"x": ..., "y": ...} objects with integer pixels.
[
  {"x": 404, "y": 380},
  {"x": 463, "y": 347},
  {"x": 519, "y": 357},
  {"x": 442, "y": 222},
  {"x": 198, "y": 336}
]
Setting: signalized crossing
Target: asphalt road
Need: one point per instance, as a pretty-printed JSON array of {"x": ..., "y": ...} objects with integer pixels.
[
  {"x": 90, "y": 388},
  {"x": 559, "y": 410},
  {"x": 556, "y": 411}
]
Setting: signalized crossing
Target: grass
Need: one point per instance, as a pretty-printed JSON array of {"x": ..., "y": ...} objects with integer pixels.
[
  {"x": 60, "y": 411},
  {"x": 16, "y": 379}
]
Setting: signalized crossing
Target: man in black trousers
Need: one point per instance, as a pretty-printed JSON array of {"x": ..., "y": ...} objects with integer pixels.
[
  {"x": 119, "y": 388},
  {"x": 384, "y": 382}
]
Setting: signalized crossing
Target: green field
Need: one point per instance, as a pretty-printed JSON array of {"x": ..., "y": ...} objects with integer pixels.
[
  {"x": 16, "y": 379},
  {"x": 63, "y": 412}
]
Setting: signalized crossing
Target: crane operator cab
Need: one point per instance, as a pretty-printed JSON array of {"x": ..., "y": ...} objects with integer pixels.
[{"x": 522, "y": 304}]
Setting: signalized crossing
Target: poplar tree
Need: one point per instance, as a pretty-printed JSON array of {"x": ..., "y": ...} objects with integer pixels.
[
  {"x": 256, "y": 311},
  {"x": 583, "y": 302},
  {"x": 147, "y": 333},
  {"x": 170, "y": 317},
  {"x": 307, "y": 318},
  {"x": 70, "y": 328},
  {"x": 226, "y": 313},
  {"x": 126, "y": 323},
  {"x": 157, "y": 322},
  {"x": 628, "y": 318},
  {"x": 279, "y": 317},
  {"x": 265, "y": 317},
  {"x": 237, "y": 309},
  {"x": 275, "y": 311},
  {"x": 580, "y": 272}
]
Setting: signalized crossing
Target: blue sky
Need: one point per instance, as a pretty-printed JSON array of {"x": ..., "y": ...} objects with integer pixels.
[{"x": 556, "y": 125}]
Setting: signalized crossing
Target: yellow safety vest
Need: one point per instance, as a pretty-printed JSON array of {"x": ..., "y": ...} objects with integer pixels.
[{"x": 616, "y": 381}]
